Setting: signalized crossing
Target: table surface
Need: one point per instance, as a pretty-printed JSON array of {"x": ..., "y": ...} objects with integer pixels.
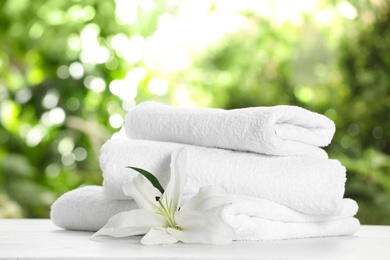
[{"x": 40, "y": 239}]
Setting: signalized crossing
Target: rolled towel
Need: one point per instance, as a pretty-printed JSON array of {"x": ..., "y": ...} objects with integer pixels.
[
  {"x": 87, "y": 209},
  {"x": 279, "y": 130},
  {"x": 309, "y": 185}
]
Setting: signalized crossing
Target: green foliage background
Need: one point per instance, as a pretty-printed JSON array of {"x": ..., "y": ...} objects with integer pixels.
[{"x": 53, "y": 120}]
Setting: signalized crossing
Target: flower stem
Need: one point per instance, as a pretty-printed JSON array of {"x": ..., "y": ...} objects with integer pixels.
[{"x": 169, "y": 215}]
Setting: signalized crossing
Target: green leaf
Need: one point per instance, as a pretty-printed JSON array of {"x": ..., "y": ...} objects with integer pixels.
[{"x": 150, "y": 177}]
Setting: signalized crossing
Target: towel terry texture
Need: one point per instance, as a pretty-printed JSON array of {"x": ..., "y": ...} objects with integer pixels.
[
  {"x": 269, "y": 159},
  {"x": 88, "y": 209},
  {"x": 278, "y": 130},
  {"x": 306, "y": 184}
]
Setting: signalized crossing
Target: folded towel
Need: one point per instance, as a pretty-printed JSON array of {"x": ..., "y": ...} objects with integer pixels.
[
  {"x": 87, "y": 209},
  {"x": 249, "y": 228},
  {"x": 309, "y": 185},
  {"x": 265, "y": 209},
  {"x": 279, "y": 130}
]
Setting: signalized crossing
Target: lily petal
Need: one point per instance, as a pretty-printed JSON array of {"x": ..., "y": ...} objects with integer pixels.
[
  {"x": 175, "y": 187},
  {"x": 208, "y": 197},
  {"x": 143, "y": 192},
  {"x": 158, "y": 236},
  {"x": 200, "y": 227},
  {"x": 131, "y": 223}
]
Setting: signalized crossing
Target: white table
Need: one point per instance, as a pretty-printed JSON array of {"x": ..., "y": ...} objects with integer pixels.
[{"x": 40, "y": 239}]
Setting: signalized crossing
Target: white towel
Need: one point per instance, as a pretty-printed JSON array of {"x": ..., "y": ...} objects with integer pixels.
[
  {"x": 87, "y": 209},
  {"x": 265, "y": 209},
  {"x": 249, "y": 228},
  {"x": 309, "y": 185},
  {"x": 279, "y": 130}
]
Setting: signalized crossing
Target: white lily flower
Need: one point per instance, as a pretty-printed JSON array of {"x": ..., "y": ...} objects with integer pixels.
[{"x": 162, "y": 217}]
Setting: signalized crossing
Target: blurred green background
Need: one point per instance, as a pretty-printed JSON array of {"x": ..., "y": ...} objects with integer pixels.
[{"x": 70, "y": 70}]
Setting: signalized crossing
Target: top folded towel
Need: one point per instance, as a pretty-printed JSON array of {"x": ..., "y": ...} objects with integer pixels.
[{"x": 279, "y": 130}]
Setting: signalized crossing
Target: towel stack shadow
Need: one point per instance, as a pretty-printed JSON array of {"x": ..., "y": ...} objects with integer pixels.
[{"x": 269, "y": 159}]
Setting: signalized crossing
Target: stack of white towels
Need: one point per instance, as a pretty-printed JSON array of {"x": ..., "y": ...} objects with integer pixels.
[{"x": 269, "y": 159}]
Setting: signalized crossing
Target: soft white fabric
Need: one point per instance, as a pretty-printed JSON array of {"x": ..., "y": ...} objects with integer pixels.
[
  {"x": 87, "y": 209},
  {"x": 307, "y": 184},
  {"x": 278, "y": 130},
  {"x": 265, "y": 209},
  {"x": 249, "y": 228}
]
